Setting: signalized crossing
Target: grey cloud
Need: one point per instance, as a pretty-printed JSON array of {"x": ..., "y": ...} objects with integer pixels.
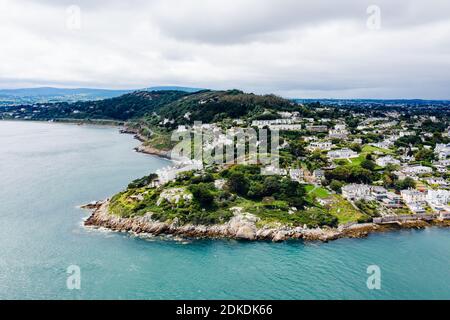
[{"x": 242, "y": 21}]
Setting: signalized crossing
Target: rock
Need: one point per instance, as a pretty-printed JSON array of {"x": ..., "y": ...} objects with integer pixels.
[
  {"x": 246, "y": 233},
  {"x": 279, "y": 236}
]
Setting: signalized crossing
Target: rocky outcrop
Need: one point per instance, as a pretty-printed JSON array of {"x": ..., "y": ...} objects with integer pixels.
[
  {"x": 242, "y": 226},
  {"x": 143, "y": 148}
]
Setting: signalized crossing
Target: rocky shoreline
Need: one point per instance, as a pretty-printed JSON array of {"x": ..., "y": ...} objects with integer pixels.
[
  {"x": 242, "y": 226},
  {"x": 144, "y": 148}
]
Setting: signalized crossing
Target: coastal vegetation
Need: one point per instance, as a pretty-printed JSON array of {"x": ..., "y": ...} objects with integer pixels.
[
  {"x": 210, "y": 197},
  {"x": 339, "y": 163}
]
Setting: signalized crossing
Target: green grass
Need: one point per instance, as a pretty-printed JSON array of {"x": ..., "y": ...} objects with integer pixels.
[
  {"x": 344, "y": 211},
  {"x": 357, "y": 161},
  {"x": 318, "y": 192},
  {"x": 369, "y": 149}
]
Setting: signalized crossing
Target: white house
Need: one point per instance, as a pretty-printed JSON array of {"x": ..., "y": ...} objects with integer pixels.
[
  {"x": 436, "y": 181},
  {"x": 442, "y": 151},
  {"x": 414, "y": 170},
  {"x": 342, "y": 154},
  {"x": 320, "y": 145},
  {"x": 438, "y": 197},
  {"x": 263, "y": 123},
  {"x": 356, "y": 191},
  {"x": 339, "y": 132},
  {"x": 286, "y": 127},
  {"x": 392, "y": 200},
  {"x": 413, "y": 196},
  {"x": 384, "y": 161}
]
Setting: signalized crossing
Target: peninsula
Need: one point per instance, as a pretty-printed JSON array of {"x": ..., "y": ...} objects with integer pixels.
[{"x": 343, "y": 168}]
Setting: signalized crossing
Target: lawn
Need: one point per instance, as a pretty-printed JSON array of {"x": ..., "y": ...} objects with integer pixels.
[
  {"x": 368, "y": 149},
  {"x": 344, "y": 211},
  {"x": 318, "y": 192}
]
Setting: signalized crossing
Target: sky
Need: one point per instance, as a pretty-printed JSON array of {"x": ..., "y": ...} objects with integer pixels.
[{"x": 293, "y": 48}]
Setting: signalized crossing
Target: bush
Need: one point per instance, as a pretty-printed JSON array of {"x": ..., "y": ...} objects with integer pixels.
[
  {"x": 238, "y": 183},
  {"x": 202, "y": 194},
  {"x": 336, "y": 186},
  {"x": 368, "y": 164},
  {"x": 142, "y": 182}
]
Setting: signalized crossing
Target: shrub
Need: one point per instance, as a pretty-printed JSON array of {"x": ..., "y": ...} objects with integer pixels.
[
  {"x": 238, "y": 183},
  {"x": 202, "y": 193}
]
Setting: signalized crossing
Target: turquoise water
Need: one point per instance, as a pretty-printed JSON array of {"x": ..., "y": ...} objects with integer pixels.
[{"x": 48, "y": 169}]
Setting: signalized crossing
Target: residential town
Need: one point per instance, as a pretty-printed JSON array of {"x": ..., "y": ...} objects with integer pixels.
[
  {"x": 354, "y": 161},
  {"x": 387, "y": 167}
]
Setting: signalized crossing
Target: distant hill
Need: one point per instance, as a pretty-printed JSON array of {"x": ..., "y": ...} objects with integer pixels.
[
  {"x": 174, "y": 88},
  {"x": 128, "y": 106},
  {"x": 49, "y": 91},
  {"x": 49, "y": 94},
  {"x": 181, "y": 106}
]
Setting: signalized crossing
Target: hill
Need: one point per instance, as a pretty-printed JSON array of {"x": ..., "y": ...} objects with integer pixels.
[
  {"x": 207, "y": 106},
  {"x": 180, "y": 106},
  {"x": 51, "y": 95}
]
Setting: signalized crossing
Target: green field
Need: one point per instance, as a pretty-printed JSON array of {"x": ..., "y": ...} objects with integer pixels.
[
  {"x": 318, "y": 192},
  {"x": 368, "y": 149},
  {"x": 344, "y": 211}
]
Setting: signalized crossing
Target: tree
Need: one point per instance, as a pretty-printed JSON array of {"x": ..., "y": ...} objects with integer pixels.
[
  {"x": 355, "y": 147},
  {"x": 202, "y": 194},
  {"x": 256, "y": 190},
  {"x": 238, "y": 183},
  {"x": 336, "y": 186},
  {"x": 297, "y": 148},
  {"x": 368, "y": 164},
  {"x": 424, "y": 155},
  {"x": 142, "y": 182},
  {"x": 271, "y": 185},
  {"x": 407, "y": 183}
]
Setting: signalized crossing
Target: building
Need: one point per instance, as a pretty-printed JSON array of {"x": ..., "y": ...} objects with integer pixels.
[
  {"x": 442, "y": 151},
  {"x": 320, "y": 145},
  {"x": 413, "y": 196},
  {"x": 318, "y": 174},
  {"x": 416, "y": 208},
  {"x": 356, "y": 191},
  {"x": 438, "y": 197},
  {"x": 339, "y": 132},
  {"x": 416, "y": 170},
  {"x": 384, "y": 161},
  {"x": 392, "y": 200},
  {"x": 296, "y": 174},
  {"x": 286, "y": 127},
  {"x": 342, "y": 154},
  {"x": 263, "y": 123},
  {"x": 379, "y": 192},
  {"x": 436, "y": 181},
  {"x": 318, "y": 128},
  {"x": 273, "y": 170}
]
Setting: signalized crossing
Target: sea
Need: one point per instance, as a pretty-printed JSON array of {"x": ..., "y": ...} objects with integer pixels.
[{"x": 47, "y": 170}]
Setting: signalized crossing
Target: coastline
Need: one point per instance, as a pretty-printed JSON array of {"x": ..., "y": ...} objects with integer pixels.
[
  {"x": 241, "y": 227},
  {"x": 143, "y": 148},
  {"x": 93, "y": 122}
]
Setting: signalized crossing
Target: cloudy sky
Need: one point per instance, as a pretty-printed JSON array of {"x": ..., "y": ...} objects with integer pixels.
[{"x": 294, "y": 48}]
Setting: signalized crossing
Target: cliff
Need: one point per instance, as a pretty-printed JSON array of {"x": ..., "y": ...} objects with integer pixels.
[{"x": 242, "y": 226}]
